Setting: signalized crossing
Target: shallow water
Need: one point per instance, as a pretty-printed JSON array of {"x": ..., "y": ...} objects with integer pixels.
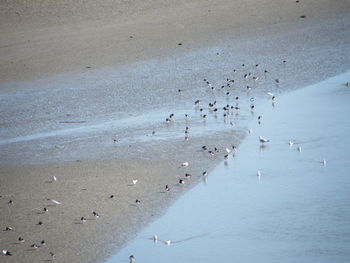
[{"x": 296, "y": 211}]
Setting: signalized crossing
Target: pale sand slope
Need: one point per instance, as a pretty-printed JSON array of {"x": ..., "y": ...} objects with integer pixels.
[
  {"x": 39, "y": 38},
  {"x": 69, "y": 38}
]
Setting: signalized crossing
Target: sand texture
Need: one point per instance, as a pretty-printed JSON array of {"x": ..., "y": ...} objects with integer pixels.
[{"x": 85, "y": 88}]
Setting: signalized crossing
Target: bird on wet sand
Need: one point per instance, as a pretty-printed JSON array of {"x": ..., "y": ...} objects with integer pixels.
[
  {"x": 131, "y": 259},
  {"x": 263, "y": 140}
]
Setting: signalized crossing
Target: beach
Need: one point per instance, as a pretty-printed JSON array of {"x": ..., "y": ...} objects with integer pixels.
[{"x": 86, "y": 88}]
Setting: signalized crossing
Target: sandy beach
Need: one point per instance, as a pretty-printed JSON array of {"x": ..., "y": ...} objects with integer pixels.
[{"x": 85, "y": 90}]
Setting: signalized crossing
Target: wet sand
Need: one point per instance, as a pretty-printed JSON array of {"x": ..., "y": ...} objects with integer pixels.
[{"x": 65, "y": 124}]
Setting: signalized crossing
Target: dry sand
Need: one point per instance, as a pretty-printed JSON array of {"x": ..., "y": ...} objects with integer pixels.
[{"x": 42, "y": 39}]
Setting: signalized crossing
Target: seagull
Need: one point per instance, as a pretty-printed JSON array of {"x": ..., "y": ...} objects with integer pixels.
[
  {"x": 167, "y": 242},
  {"x": 55, "y": 201},
  {"x": 270, "y": 94},
  {"x": 188, "y": 175},
  {"x": 347, "y": 84},
  {"x": 137, "y": 201},
  {"x": 45, "y": 210},
  {"x": 132, "y": 259},
  {"x": 83, "y": 219},
  {"x": 35, "y": 246},
  {"x": 324, "y": 162},
  {"x": 43, "y": 243},
  {"x": 155, "y": 238},
  {"x": 250, "y": 131},
  {"x": 8, "y": 228},
  {"x": 258, "y": 173},
  {"x": 263, "y": 140},
  {"x": 6, "y": 253},
  {"x": 134, "y": 181},
  {"x": 167, "y": 188},
  {"x": 181, "y": 181},
  {"x": 299, "y": 149},
  {"x": 185, "y": 164},
  {"x": 226, "y": 157},
  {"x": 205, "y": 173},
  {"x": 54, "y": 178},
  {"x": 21, "y": 239},
  {"x": 228, "y": 150},
  {"x": 291, "y": 143}
]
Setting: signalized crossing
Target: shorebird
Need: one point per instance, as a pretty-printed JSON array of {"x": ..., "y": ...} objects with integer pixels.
[
  {"x": 35, "y": 246},
  {"x": 6, "y": 253},
  {"x": 134, "y": 181},
  {"x": 137, "y": 201},
  {"x": 45, "y": 210},
  {"x": 167, "y": 188},
  {"x": 55, "y": 202},
  {"x": 131, "y": 259},
  {"x": 8, "y": 228},
  {"x": 291, "y": 143},
  {"x": 83, "y": 219},
  {"x": 324, "y": 162},
  {"x": 347, "y": 84},
  {"x": 226, "y": 157},
  {"x": 299, "y": 149},
  {"x": 52, "y": 256},
  {"x": 185, "y": 164},
  {"x": 250, "y": 131},
  {"x": 111, "y": 196},
  {"x": 205, "y": 173},
  {"x": 258, "y": 174},
  {"x": 188, "y": 175},
  {"x": 181, "y": 181},
  {"x": 21, "y": 239},
  {"x": 263, "y": 140},
  {"x": 54, "y": 178},
  {"x": 40, "y": 223},
  {"x": 155, "y": 238},
  {"x": 10, "y": 202},
  {"x": 95, "y": 214},
  {"x": 43, "y": 243},
  {"x": 228, "y": 150},
  {"x": 167, "y": 242}
]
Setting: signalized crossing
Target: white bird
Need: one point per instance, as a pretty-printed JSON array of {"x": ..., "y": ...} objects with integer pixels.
[
  {"x": 155, "y": 238},
  {"x": 250, "y": 131},
  {"x": 270, "y": 94},
  {"x": 228, "y": 150},
  {"x": 290, "y": 143},
  {"x": 167, "y": 242},
  {"x": 131, "y": 259},
  {"x": 54, "y": 178},
  {"x": 55, "y": 201},
  {"x": 299, "y": 149},
  {"x": 185, "y": 164},
  {"x": 134, "y": 181},
  {"x": 324, "y": 162},
  {"x": 258, "y": 174},
  {"x": 6, "y": 253},
  {"x": 263, "y": 140}
]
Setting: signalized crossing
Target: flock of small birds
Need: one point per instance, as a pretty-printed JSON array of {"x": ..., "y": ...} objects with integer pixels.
[{"x": 212, "y": 110}]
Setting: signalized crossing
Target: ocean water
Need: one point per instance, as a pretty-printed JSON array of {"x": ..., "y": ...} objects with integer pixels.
[{"x": 297, "y": 210}]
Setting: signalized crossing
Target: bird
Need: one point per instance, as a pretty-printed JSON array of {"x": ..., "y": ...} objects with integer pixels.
[
  {"x": 137, "y": 201},
  {"x": 35, "y": 246},
  {"x": 95, "y": 214},
  {"x": 324, "y": 162},
  {"x": 54, "y": 178},
  {"x": 205, "y": 173},
  {"x": 226, "y": 157},
  {"x": 43, "y": 243},
  {"x": 40, "y": 223},
  {"x": 83, "y": 219},
  {"x": 263, "y": 140},
  {"x": 228, "y": 150},
  {"x": 131, "y": 259},
  {"x": 184, "y": 164},
  {"x": 181, "y": 181},
  {"x": 111, "y": 196},
  {"x": 167, "y": 188},
  {"x": 250, "y": 131},
  {"x": 134, "y": 181},
  {"x": 291, "y": 143},
  {"x": 55, "y": 202},
  {"x": 45, "y": 210},
  {"x": 8, "y": 228},
  {"x": 155, "y": 238},
  {"x": 21, "y": 239},
  {"x": 188, "y": 175},
  {"x": 167, "y": 242},
  {"x": 299, "y": 149},
  {"x": 258, "y": 173},
  {"x": 6, "y": 253},
  {"x": 347, "y": 84}
]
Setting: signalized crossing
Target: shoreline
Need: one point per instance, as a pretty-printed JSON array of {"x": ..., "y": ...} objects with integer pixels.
[{"x": 97, "y": 100}]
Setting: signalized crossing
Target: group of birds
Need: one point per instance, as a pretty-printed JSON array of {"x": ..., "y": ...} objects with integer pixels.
[{"x": 226, "y": 110}]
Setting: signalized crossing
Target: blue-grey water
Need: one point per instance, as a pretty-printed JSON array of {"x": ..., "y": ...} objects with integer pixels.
[{"x": 296, "y": 211}]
